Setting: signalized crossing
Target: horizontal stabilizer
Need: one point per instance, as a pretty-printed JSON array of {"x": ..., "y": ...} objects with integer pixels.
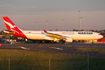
[{"x": 7, "y": 31}]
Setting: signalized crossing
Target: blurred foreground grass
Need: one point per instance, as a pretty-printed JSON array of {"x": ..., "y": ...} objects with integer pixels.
[
  {"x": 35, "y": 60},
  {"x": 98, "y": 50}
]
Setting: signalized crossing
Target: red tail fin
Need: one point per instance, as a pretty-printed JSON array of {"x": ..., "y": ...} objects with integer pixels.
[
  {"x": 11, "y": 27},
  {"x": 9, "y": 24}
]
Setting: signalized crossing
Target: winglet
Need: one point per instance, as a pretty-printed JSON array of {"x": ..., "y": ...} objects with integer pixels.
[{"x": 45, "y": 31}]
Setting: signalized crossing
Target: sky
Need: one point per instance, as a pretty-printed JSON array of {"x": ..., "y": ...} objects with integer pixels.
[{"x": 25, "y": 14}]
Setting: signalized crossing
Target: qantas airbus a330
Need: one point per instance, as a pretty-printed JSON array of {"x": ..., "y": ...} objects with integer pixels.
[{"x": 67, "y": 36}]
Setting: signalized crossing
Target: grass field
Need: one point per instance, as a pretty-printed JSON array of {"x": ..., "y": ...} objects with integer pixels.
[
  {"x": 59, "y": 45},
  {"x": 35, "y": 60},
  {"x": 98, "y": 50}
]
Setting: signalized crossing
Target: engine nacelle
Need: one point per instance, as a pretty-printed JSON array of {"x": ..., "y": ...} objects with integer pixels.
[{"x": 69, "y": 39}]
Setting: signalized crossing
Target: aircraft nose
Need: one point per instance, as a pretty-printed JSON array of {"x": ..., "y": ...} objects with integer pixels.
[{"x": 101, "y": 36}]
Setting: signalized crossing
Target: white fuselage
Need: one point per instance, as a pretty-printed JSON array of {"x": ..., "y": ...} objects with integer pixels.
[
  {"x": 67, "y": 36},
  {"x": 76, "y": 35}
]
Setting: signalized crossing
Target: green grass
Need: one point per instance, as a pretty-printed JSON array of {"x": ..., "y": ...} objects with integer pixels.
[
  {"x": 98, "y": 50},
  {"x": 59, "y": 46},
  {"x": 35, "y": 60}
]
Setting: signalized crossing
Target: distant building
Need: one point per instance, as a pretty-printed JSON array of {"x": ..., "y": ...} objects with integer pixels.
[{"x": 102, "y": 31}]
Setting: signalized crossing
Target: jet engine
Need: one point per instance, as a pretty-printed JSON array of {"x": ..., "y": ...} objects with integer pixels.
[{"x": 68, "y": 39}]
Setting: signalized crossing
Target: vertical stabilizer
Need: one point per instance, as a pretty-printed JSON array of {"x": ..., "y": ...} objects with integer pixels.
[
  {"x": 11, "y": 27},
  {"x": 9, "y": 24}
]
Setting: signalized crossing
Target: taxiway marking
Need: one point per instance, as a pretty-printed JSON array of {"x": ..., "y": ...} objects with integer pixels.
[{"x": 57, "y": 48}]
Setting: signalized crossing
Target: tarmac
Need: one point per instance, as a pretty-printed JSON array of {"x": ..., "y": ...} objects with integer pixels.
[{"x": 56, "y": 48}]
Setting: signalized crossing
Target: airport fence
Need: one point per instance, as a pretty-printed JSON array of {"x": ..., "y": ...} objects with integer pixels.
[{"x": 51, "y": 62}]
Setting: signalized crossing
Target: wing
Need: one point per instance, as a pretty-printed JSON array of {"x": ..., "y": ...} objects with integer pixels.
[
  {"x": 54, "y": 35},
  {"x": 57, "y": 37}
]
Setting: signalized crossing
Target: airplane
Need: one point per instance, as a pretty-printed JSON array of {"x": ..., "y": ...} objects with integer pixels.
[{"x": 56, "y": 36}]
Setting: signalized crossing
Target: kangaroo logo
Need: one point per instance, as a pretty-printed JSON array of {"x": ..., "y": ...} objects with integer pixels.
[{"x": 11, "y": 26}]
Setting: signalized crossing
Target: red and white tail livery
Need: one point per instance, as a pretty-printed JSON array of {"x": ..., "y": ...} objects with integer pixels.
[
  {"x": 12, "y": 29},
  {"x": 67, "y": 36}
]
